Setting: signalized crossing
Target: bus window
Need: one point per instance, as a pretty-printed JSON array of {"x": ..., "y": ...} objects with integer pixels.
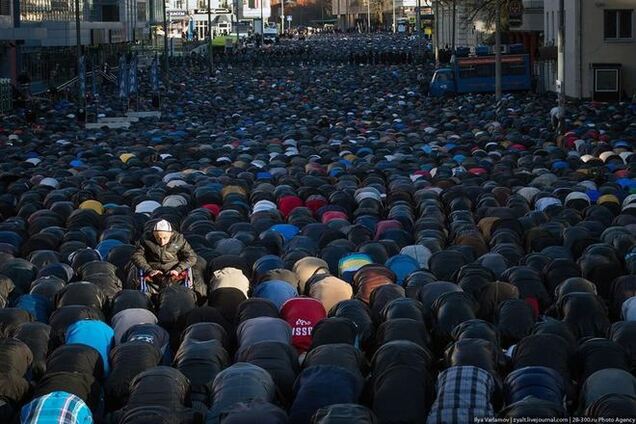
[
  {"x": 443, "y": 77},
  {"x": 466, "y": 71},
  {"x": 482, "y": 70},
  {"x": 513, "y": 68},
  {"x": 486, "y": 70}
]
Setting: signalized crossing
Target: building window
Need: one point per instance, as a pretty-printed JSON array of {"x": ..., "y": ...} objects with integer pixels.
[
  {"x": 606, "y": 80},
  {"x": 155, "y": 11},
  {"x": 141, "y": 12},
  {"x": 5, "y": 7},
  {"x": 552, "y": 27},
  {"x": 110, "y": 13},
  {"x": 618, "y": 24}
]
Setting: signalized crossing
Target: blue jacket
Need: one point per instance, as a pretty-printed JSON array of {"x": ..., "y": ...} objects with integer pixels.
[
  {"x": 275, "y": 290},
  {"x": 322, "y": 385},
  {"x": 540, "y": 382},
  {"x": 95, "y": 334}
]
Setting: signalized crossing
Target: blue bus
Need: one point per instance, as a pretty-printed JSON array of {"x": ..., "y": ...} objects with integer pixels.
[{"x": 477, "y": 75}]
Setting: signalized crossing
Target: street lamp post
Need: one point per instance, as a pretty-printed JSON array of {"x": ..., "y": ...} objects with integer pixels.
[
  {"x": 436, "y": 30},
  {"x": 454, "y": 12},
  {"x": 165, "y": 43},
  {"x": 209, "y": 38},
  {"x": 441, "y": 28},
  {"x": 369, "y": 16},
  {"x": 418, "y": 22},
  {"x": 282, "y": 17},
  {"x": 561, "y": 67},
  {"x": 134, "y": 21},
  {"x": 394, "y": 21},
  {"x": 262, "y": 22},
  {"x": 236, "y": 12},
  {"x": 78, "y": 38},
  {"x": 78, "y": 41},
  {"x": 133, "y": 7},
  {"x": 498, "y": 53}
]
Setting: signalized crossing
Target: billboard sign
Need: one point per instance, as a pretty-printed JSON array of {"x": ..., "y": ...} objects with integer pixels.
[
  {"x": 515, "y": 13},
  {"x": 176, "y": 13},
  {"x": 252, "y": 9},
  {"x": 406, "y": 3}
]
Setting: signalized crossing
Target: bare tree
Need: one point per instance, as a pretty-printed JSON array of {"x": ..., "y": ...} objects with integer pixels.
[
  {"x": 326, "y": 7},
  {"x": 493, "y": 13},
  {"x": 377, "y": 10},
  {"x": 486, "y": 11},
  {"x": 378, "y": 7},
  {"x": 451, "y": 6}
]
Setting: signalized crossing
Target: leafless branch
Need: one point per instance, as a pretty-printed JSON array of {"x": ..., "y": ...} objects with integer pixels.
[{"x": 485, "y": 10}]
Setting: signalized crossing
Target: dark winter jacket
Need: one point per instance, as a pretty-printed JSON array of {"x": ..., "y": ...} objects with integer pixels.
[{"x": 176, "y": 255}]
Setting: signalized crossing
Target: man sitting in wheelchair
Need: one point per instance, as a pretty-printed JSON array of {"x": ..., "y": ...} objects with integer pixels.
[{"x": 163, "y": 258}]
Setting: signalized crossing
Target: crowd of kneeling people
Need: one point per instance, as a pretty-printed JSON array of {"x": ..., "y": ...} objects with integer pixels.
[
  {"x": 350, "y": 269},
  {"x": 387, "y": 300}
]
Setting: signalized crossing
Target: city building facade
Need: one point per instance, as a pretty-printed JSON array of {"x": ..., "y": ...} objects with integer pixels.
[
  {"x": 39, "y": 37},
  {"x": 468, "y": 33},
  {"x": 600, "y": 47}
]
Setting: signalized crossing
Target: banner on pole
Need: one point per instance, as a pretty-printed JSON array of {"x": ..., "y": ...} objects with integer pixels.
[
  {"x": 190, "y": 33},
  {"x": 132, "y": 71},
  {"x": 254, "y": 9},
  {"x": 122, "y": 77},
  {"x": 94, "y": 80},
  {"x": 82, "y": 77},
  {"x": 154, "y": 74},
  {"x": 515, "y": 13}
]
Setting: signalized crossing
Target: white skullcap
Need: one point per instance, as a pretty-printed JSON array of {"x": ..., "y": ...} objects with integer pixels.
[{"x": 163, "y": 225}]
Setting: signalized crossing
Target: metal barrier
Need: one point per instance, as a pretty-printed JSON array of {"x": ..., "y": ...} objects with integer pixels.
[
  {"x": 106, "y": 76},
  {"x": 52, "y": 67}
]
